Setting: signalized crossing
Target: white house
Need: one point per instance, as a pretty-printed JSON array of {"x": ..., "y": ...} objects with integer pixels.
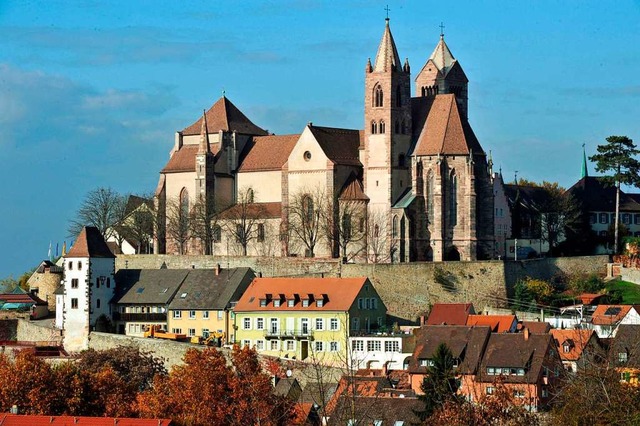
[{"x": 375, "y": 351}]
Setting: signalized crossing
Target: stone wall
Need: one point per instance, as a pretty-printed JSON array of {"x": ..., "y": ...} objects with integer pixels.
[
  {"x": 406, "y": 288},
  {"x": 630, "y": 274},
  {"x": 8, "y": 329},
  {"x": 28, "y": 331}
]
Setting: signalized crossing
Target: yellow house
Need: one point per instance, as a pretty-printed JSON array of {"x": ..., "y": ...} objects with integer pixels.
[
  {"x": 307, "y": 318},
  {"x": 202, "y": 304}
]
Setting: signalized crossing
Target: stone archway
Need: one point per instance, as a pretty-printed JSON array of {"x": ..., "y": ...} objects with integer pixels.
[{"x": 452, "y": 254}]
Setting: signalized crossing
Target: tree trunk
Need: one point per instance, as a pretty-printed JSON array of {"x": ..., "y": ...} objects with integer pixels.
[{"x": 615, "y": 241}]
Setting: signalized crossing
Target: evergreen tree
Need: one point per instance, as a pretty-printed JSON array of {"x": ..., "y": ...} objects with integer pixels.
[{"x": 440, "y": 384}]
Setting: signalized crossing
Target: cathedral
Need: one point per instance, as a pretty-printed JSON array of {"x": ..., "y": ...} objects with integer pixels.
[{"x": 413, "y": 185}]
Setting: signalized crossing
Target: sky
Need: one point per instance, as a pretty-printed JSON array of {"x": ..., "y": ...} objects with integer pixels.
[{"x": 92, "y": 92}]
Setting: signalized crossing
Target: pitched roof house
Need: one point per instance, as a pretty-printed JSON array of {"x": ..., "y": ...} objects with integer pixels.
[
  {"x": 576, "y": 347},
  {"x": 606, "y": 318},
  {"x": 450, "y": 314}
]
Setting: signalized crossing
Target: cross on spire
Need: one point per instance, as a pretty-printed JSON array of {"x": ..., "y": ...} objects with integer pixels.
[
  {"x": 441, "y": 29},
  {"x": 387, "y": 9}
]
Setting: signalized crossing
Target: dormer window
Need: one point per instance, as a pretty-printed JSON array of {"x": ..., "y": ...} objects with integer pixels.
[
  {"x": 291, "y": 303},
  {"x": 263, "y": 303},
  {"x": 305, "y": 303},
  {"x": 566, "y": 347},
  {"x": 320, "y": 303},
  {"x": 276, "y": 303}
]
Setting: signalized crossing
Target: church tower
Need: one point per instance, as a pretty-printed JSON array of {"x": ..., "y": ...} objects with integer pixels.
[
  {"x": 387, "y": 127},
  {"x": 442, "y": 74}
]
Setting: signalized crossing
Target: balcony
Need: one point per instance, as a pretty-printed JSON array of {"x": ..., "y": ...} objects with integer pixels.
[
  {"x": 289, "y": 334},
  {"x": 155, "y": 317}
]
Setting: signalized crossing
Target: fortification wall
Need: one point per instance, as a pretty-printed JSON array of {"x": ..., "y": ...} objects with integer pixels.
[
  {"x": 28, "y": 331},
  {"x": 406, "y": 288}
]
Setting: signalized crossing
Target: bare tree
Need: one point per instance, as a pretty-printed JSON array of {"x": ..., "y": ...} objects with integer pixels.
[
  {"x": 304, "y": 218},
  {"x": 204, "y": 223},
  {"x": 103, "y": 208},
  {"x": 242, "y": 221},
  {"x": 379, "y": 245},
  {"x": 178, "y": 223},
  {"x": 345, "y": 227},
  {"x": 138, "y": 225},
  {"x": 558, "y": 211}
]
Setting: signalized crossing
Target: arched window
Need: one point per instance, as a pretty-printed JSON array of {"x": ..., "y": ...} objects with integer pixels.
[
  {"x": 430, "y": 197},
  {"x": 399, "y": 96},
  {"x": 397, "y": 129},
  {"x": 378, "y": 100},
  {"x": 453, "y": 199},
  {"x": 250, "y": 195},
  {"x": 382, "y": 129},
  {"x": 184, "y": 200},
  {"x": 394, "y": 227},
  {"x": 424, "y": 91},
  {"x": 374, "y": 127}
]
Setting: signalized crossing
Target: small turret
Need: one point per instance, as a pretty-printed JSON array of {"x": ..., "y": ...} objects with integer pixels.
[{"x": 406, "y": 68}]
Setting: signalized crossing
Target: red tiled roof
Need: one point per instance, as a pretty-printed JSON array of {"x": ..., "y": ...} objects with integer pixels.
[
  {"x": 576, "y": 340},
  {"x": 184, "y": 159},
  {"x": 267, "y": 152},
  {"x": 444, "y": 130},
  {"x": 30, "y": 420},
  {"x": 90, "y": 243},
  {"x": 21, "y": 298},
  {"x": 224, "y": 115},
  {"x": 341, "y": 293},
  {"x": 537, "y": 327},
  {"x": 340, "y": 145},
  {"x": 497, "y": 323},
  {"x": 254, "y": 211},
  {"x": 450, "y": 313},
  {"x": 609, "y": 314}
]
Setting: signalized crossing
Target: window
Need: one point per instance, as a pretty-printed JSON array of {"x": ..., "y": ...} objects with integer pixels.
[
  {"x": 319, "y": 324},
  {"x": 374, "y": 303},
  {"x": 108, "y": 282},
  {"x": 320, "y": 303},
  {"x": 205, "y": 314},
  {"x": 399, "y": 95},
  {"x": 274, "y": 325},
  {"x": 333, "y": 346},
  {"x": 367, "y": 303},
  {"x": 246, "y": 324},
  {"x": 430, "y": 197},
  {"x": 263, "y": 303},
  {"x": 566, "y": 348},
  {"x": 604, "y": 218},
  {"x": 205, "y": 332},
  {"x": 453, "y": 200},
  {"x": 593, "y": 218},
  {"x": 274, "y": 345},
  {"x": 382, "y": 126},
  {"x": 307, "y": 155},
  {"x": 220, "y": 315},
  {"x": 378, "y": 97},
  {"x": 276, "y": 303},
  {"x": 191, "y": 332},
  {"x": 97, "y": 303},
  {"x": 74, "y": 283},
  {"x": 260, "y": 345},
  {"x": 74, "y": 303},
  {"x": 291, "y": 303},
  {"x": 491, "y": 371},
  {"x": 374, "y": 345},
  {"x": 397, "y": 127},
  {"x": 489, "y": 390},
  {"x": 636, "y": 219},
  {"x": 392, "y": 346},
  {"x": 626, "y": 218},
  {"x": 192, "y": 314},
  {"x": 622, "y": 357},
  {"x": 177, "y": 314},
  {"x": 176, "y": 330},
  {"x": 374, "y": 127},
  {"x": 319, "y": 346},
  {"x": 305, "y": 303},
  {"x": 394, "y": 227},
  {"x": 260, "y": 232},
  {"x": 291, "y": 345},
  {"x": 246, "y": 343},
  {"x": 259, "y": 323},
  {"x": 79, "y": 266},
  {"x": 333, "y": 323},
  {"x": 545, "y": 392},
  {"x": 360, "y": 303},
  {"x": 357, "y": 345},
  {"x": 250, "y": 195},
  {"x": 70, "y": 266},
  {"x": 355, "y": 323}
]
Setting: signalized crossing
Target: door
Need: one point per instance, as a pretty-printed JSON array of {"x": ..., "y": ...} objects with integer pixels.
[{"x": 304, "y": 349}]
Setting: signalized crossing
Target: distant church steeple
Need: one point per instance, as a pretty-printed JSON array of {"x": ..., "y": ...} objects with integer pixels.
[{"x": 585, "y": 172}]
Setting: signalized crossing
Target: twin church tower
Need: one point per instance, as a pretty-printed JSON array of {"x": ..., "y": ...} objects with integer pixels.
[{"x": 417, "y": 163}]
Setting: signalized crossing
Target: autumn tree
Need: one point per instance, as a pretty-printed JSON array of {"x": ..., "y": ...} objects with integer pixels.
[
  {"x": 305, "y": 218},
  {"x": 204, "y": 223},
  {"x": 179, "y": 223},
  {"x": 243, "y": 220},
  {"x": 25, "y": 382},
  {"x": 103, "y": 208},
  {"x": 439, "y": 385},
  {"x": 616, "y": 157}
]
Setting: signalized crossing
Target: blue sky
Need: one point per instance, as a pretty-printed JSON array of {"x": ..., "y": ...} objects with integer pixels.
[{"x": 92, "y": 92}]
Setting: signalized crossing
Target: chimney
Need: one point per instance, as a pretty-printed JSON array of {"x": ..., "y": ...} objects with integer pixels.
[
  {"x": 526, "y": 333},
  {"x": 218, "y": 269}
]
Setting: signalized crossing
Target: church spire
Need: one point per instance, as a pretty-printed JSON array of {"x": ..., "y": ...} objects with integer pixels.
[
  {"x": 442, "y": 56},
  {"x": 204, "y": 148},
  {"x": 585, "y": 172},
  {"x": 387, "y": 58}
]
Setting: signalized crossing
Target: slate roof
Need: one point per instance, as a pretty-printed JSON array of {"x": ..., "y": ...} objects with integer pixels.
[
  {"x": 133, "y": 202},
  {"x": 450, "y": 313},
  {"x": 530, "y": 198},
  {"x": 537, "y": 327},
  {"x": 515, "y": 350},
  {"x": 465, "y": 343},
  {"x": 444, "y": 131},
  {"x": 224, "y": 115},
  {"x": 204, "y": 289},
  {"x": 340, "y": 293},
  {"x": 595, "y": 195},
  {"x": 90, "y": 243},
  {"x": 389, "y": 410},
  {"x": 52, "y": 267},
  {"x": 339, "y": 145},
  {"x": 148, "y": 286},
  {"x": 442, "y": 57},
  {"x": 314, "y": 392},
  {"x": 497, "y": 323},
  {"x": 577, "y": 341},
  {"x": 263, "y": 153}
]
